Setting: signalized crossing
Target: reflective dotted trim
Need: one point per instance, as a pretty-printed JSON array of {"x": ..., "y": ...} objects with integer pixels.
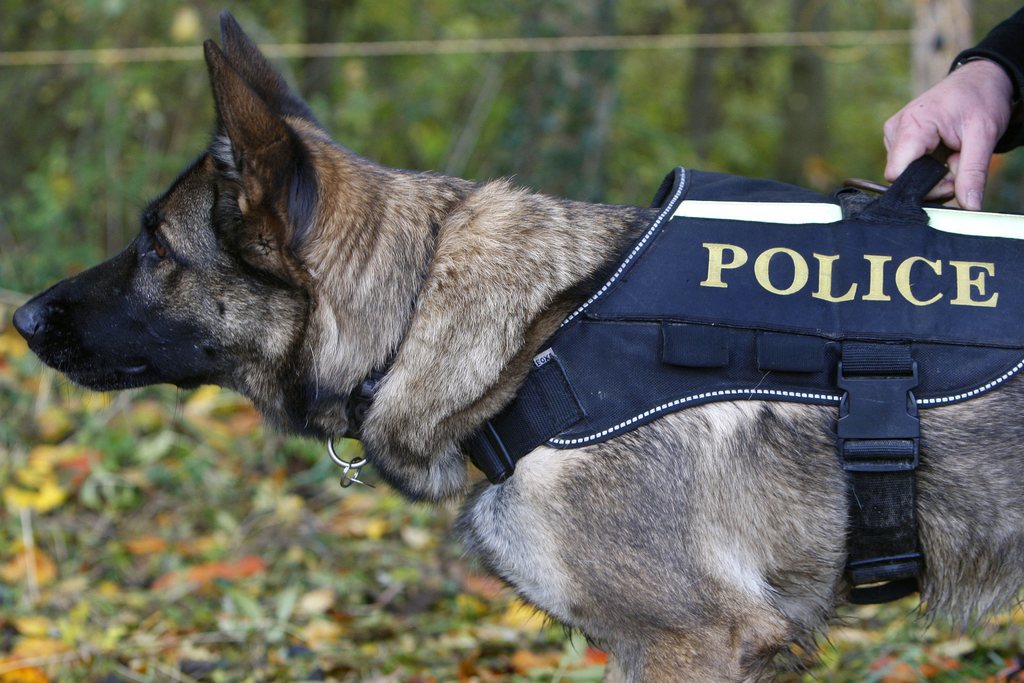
[
  {"x": 679, "y": 402},
  {"x": 667, "y": 212},
  {"x": 973, "y": 392},
  {"x": 773, "y": 394}
]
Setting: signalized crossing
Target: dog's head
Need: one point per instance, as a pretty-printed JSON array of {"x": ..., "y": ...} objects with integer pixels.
[{"x": 211, "y": 289}]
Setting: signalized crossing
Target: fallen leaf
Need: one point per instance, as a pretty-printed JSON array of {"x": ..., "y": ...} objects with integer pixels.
[
  {"x": 202, "y": 401},
  {"x": 203, "y": 574},
  {"x": 12, "y": 344},
  {"x": 417, "y": 538},
  {"x": 41, "y": 495},
  {"x": 53, "y": 423},
  {"x": 939, "y": 665},
  {"x": 893, "y": 670},
  {"x": 316, "y": 602},
  {"x": 244, "y": 421},
  {"x": 524, "y": 661},
  {"x": 16, "y": 569},
  {"x": 146, "y": 545},
  {"x": 523, "y": 617},
  {"x": 486, "y": 587},
  {"x": 28, "y": 674},
  {"x": 321, "y": 633},
  {"x": 146, "y": 416},
  {"x": 470, "y": 606},
  {"x": 32, "y": 625},
  {"x": 200, "y": 545},
  {"x": 31, "y": 646}
]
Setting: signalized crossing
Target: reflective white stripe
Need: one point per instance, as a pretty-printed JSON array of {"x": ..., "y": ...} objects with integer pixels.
[
  {"x": 976, "y": 223},
  {"x": 793, "y": 213}
]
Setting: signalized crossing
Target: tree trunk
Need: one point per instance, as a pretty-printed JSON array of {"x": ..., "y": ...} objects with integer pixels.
[
  {"x": 322, "y": 23},
  {"x": 804, "y": 109},
  {"x": 942, "y": 29},
  {"x": 703, "y": 97},
  {"x": 564, "y": 119}
]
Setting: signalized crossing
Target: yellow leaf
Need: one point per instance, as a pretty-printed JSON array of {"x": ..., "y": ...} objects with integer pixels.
[
  {"x": 42, "y": 458},
  {"x": 108, "y": 589},
  {"x": 32, "y": 625},
  {"x": 29, "y": 674},
  {"x": 53, "y": 423},
  {"x": 39, "y": 493},
  {"x": 146, "y": 416},
  {"x": 470, "y": 605},
  {"x": 523, "y": 617},
  {"x": 29, "y": 646},
  {"x": 376, "y": 528},
  {"x": 11, "y": 344},
  {"x": 321, "y": 633},
  {"x": 95, "y": 401},
  {"x": 201, "y": 402}
]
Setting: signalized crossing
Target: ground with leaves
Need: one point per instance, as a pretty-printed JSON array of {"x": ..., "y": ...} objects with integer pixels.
[{"x": 160, "y": 535}]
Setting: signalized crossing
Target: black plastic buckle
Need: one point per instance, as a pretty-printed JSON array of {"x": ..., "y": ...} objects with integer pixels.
[
  {"x": 879, "y": 430},
  {"x": 489, "y": 454}
]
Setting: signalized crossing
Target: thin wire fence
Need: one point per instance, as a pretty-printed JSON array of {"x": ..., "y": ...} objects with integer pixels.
[{"x": 687, "y": 41}]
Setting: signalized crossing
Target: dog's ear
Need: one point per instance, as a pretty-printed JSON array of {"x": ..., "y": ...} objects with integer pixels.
[
  {"x": 256, "y": 147},
  {"x": 257, "y": 72}
]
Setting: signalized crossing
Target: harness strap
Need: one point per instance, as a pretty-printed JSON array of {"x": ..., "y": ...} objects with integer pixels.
[
  {"x": 879, "y": 446},
  {"x": 544, "y": 406}
]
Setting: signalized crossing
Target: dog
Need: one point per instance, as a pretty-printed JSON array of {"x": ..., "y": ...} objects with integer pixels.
[{"x": 696, "y": 547}]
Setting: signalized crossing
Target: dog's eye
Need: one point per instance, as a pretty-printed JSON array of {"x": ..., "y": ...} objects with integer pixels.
[{"x": 159, "y": 249}]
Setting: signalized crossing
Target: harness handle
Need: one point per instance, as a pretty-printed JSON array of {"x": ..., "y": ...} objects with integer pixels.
[{"x": 903, "y": 201}]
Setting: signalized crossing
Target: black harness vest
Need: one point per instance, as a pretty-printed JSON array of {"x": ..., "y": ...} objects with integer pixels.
[{"x": 839, "y": 301}]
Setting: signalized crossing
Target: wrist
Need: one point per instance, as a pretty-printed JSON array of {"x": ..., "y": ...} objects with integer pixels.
[{"x": 984, "y": 69}]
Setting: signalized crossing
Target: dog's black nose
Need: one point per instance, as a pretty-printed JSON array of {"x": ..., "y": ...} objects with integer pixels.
[{"x": 29, "y": 319}]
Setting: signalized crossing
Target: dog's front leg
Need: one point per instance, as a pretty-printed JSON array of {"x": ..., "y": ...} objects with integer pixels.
[{"x": 712, "y": 655}]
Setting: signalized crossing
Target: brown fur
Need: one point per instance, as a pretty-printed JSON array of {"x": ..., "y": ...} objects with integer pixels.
[{"x": 693, "y": 548}]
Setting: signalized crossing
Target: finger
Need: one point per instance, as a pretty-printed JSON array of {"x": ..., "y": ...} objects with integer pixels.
[
  {"x": 972, "y": 168},
  {"x": 907, "y": 142},
  {"x": 943, "y": 190}
]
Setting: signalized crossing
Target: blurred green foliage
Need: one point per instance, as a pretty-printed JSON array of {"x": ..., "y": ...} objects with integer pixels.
[{"x": 85, "y": 145}]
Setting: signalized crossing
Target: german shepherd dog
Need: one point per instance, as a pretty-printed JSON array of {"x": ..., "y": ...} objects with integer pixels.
[{"x": 697, "y": 547}]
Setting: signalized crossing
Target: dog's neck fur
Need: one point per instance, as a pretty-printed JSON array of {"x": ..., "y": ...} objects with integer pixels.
[
  {"x": 415, "y": 293},
  {"x": 368, "y": 279}
]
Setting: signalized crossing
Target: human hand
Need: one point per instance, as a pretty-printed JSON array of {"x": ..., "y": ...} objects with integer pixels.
[{"x": 968, "y": 111}]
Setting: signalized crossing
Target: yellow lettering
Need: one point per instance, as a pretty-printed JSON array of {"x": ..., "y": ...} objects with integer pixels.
[
  {"x": 717, "y": 263},
  {"x": 825, "y": 281},
  {"x": 763, "y": 264},
  {"x": 964, "y": 283},
  {"x": 905, "y": 286},
  {"x": 876, "y": 285}
]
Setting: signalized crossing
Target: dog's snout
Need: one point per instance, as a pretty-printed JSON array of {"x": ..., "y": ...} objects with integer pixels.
[{"x": 30, "y": 319}]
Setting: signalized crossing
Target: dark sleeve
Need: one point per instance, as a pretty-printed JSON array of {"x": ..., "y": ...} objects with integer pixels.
[{"x": 1004, "y": 45}]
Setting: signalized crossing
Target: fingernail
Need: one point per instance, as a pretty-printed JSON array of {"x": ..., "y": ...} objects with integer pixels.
[{"x": 973, "y": 200}]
